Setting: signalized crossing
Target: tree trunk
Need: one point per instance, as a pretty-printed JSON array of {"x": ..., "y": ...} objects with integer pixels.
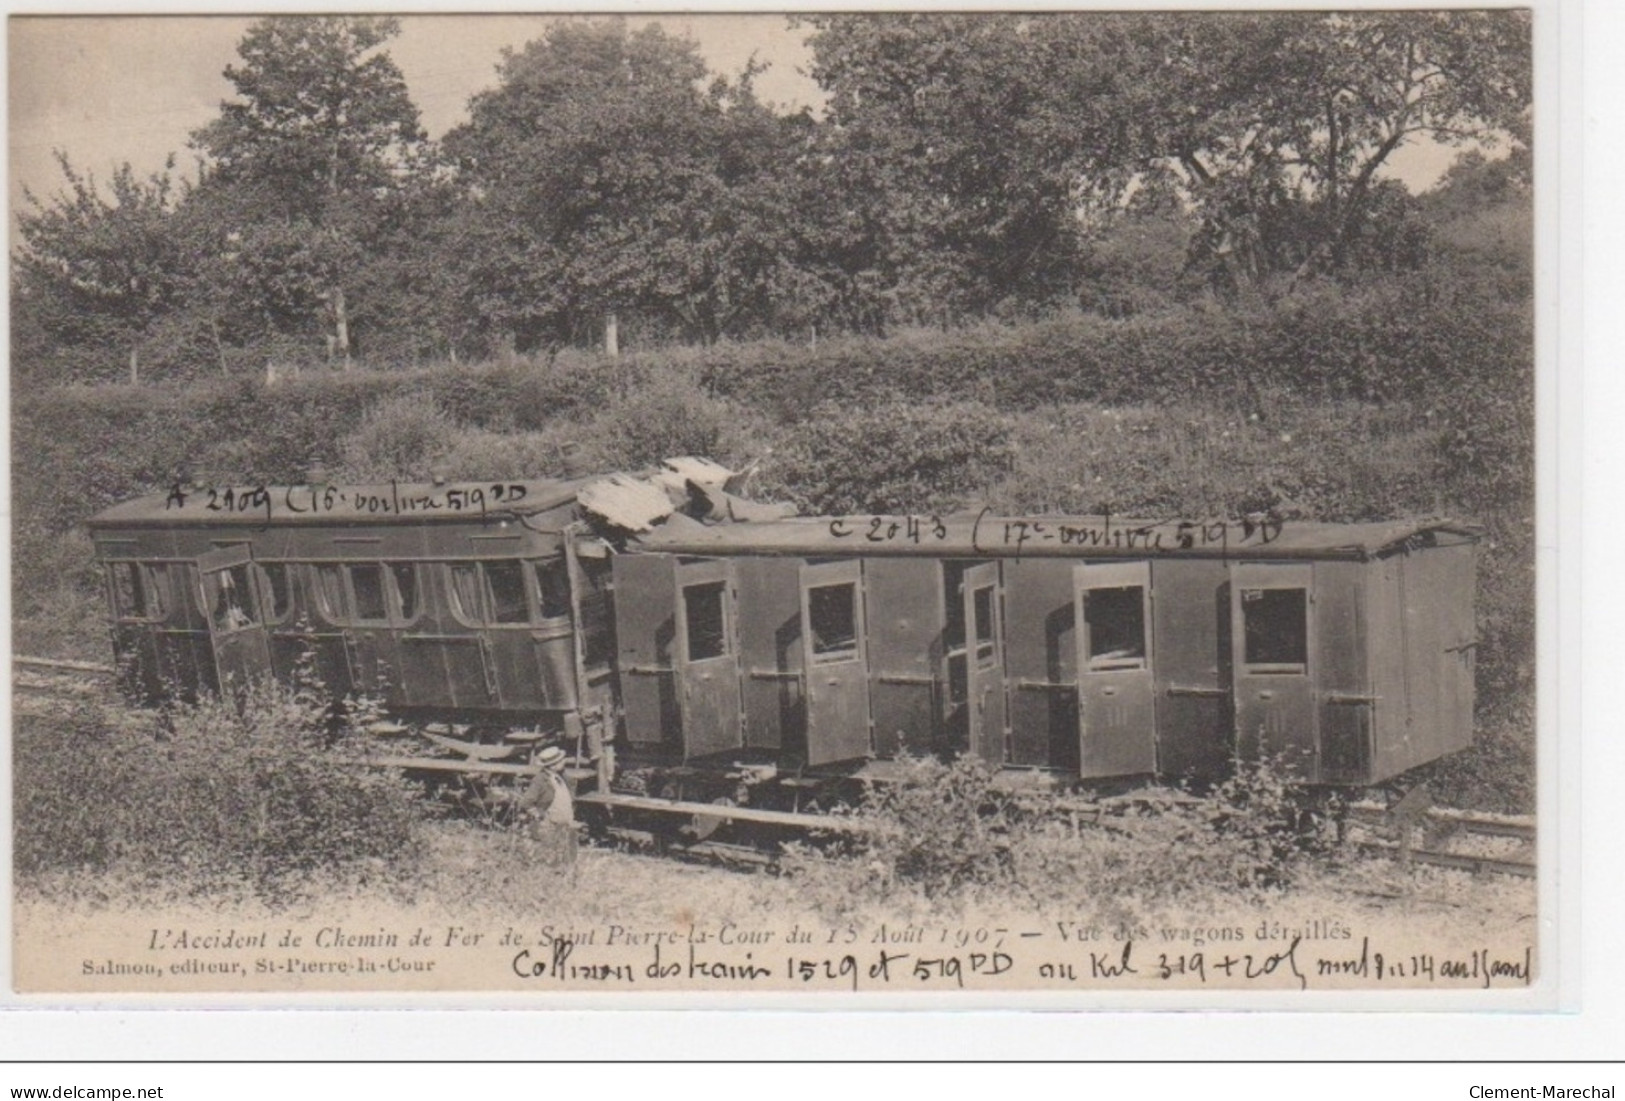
[
  {"x": 219, "y": 346},
  {"x": 341, "y": 327},
  {"x": 612, "y": 336}
]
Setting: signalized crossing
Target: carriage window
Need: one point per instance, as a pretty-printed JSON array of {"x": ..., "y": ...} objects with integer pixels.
[
  {"x": 275, "y": 576},
  {"x": 707, "y": 633},
  {"x": 505, "y": 583},
  {"x": 489, "y": 593},
  {"x": 982, "y": 598},
  {"x": 231, "y": 603},
  {"x": 597, "y": 622},
  {"x": 367, "y": 583},
  {"x": 135, "y": 595},
  {"x": 833, "y": 614},
  {"x": 1275, "y": 627},
  {"x": 953, "y": 595},
  {"x": 330, "y": 593},
  {"x": 553, "y": 584},
  {"x": 1116, "y": 622},
  {"x": 406, "y": 587}
]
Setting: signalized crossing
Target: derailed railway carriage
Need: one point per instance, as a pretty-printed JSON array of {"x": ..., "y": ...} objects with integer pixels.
[
  {"x": 688, "y": 646},
  {"x": 1087, "y": 648},
  {"x": 454, "y": 603}
]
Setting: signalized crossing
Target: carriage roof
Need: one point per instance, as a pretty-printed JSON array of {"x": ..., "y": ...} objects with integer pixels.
[
  {"x": 387, "y": 503},
  {"x": 988, "y": 536}
]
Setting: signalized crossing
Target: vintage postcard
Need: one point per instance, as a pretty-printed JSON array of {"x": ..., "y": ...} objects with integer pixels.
[{"x": 1034, "y": 506}]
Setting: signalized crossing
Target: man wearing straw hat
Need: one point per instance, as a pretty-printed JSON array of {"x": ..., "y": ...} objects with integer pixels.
[{"x": 549, "y": 808}]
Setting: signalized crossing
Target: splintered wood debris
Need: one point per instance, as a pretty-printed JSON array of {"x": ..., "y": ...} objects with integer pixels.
[{"x": 683, "y": 489}]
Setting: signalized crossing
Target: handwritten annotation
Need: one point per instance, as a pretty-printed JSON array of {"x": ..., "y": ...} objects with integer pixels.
[
  {"x": 1105, "y": 533},
  {"x": 268, "y": 502}
]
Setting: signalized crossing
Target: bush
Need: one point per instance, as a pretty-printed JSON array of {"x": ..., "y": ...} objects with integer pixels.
[
  {"x": 665, "y": 414},
  {"x": 210, "y": 796},
  {"x": 476, "y": 456},
  {"x": 940, "y": 827},
  {"x": 1497, "y": 774},
  {"x": 945, "y": 831},
  {"x": 401, "y": 438},
  {"x": 58, "y": 608},
  {"x": 892, "y": 457}
]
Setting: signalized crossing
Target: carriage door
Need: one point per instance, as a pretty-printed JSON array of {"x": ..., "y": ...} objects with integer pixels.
[
  {"x": 837, "y": 674},
  {"x": 1116, "y": 708},
  {"x": 242, "y": 645},
  {"x": 1275, "y": 704},
  {"x": 984, "y": 662},
  {"x": 708, "y": 665}
]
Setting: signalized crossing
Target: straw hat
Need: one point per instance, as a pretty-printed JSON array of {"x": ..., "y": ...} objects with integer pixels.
[{"x": 551, "y": 757}]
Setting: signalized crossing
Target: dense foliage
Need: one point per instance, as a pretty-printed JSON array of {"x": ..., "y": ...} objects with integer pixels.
[
  {"x": 1135, "y": 262},
  {"x": 963, "y": 168},
  {"x": 260, "y": 795},
  {"x": 947, "y": 831}
]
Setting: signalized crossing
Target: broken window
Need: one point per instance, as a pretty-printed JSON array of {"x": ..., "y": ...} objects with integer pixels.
[
  {"x": 597, "y": 618},
  {"x": 231, "y": 603},
  {"x": 553, "y": 588},
  {"x": 135, "y": 596},
  {"x": 465, "y": 593},
  {"x": 833, "y": 614},
  {"x": 330, "y": 593},
  {"x": 484, "y": 593},
  {"x": 982, "y": 601},
  {"x": 953, "y": 598},
  {"x": 276, "y": 586},
  {"x": 707, "y": 631},
  {"x": 1115, "y": 619},
  {"x": 505, "y": 585},
  {"x": 1275, "y": 629},
  {"x": 406, "y": 586},
  {"x": 367, "y": 582}
]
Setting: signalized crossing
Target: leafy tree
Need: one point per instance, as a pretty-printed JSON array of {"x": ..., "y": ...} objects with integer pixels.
[
  {"x": 1481, "y": 219},
  {"x": 976, "y": 154},
  {"x": 300, "y": 168},
  {"x": 603, "y": 177},
  {"x": 93, "y": 274},
  {"x": 961, "y": 181},
  {"x": 1275, "y": 127}
]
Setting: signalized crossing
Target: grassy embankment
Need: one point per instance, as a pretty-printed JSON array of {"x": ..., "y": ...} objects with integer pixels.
[{"x": 1173, "y": 417}]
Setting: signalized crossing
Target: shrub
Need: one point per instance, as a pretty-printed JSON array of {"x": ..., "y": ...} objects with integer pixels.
[
  {"x": 1497, "y": 773},
  {"x": 892, "y": 457},
  {"x": 256, "y": 793},
  {"x": 667, "y": 414},
  {"x": 473, "y": 455},
  {"x": 940, "y": 827},
  {"x": 402, "y": 438},
  {"x": 57, "y": 605},
  {"x": 946, "y": 831}
]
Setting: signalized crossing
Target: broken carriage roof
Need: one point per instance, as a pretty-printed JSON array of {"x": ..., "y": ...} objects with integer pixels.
[
  {"x": 988, "y": 536},
  {"x": 630, "y": 502}
]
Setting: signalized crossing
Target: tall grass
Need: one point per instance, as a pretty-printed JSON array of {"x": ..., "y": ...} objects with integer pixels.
[
  {"x": 945, "y": 831},
  {"x": 258, "y": 795},
  {"x": 1364, "y": 407}
]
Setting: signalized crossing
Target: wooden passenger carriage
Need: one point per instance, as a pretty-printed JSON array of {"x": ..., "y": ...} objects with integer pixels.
[
  {"x": 686, "y": 659},
  {"x": 464, "y": 602},
  {"x": 1087, "y": 647}
]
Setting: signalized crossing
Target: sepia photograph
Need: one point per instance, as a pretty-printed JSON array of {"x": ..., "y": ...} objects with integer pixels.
[{"x": 876, "y": 504}]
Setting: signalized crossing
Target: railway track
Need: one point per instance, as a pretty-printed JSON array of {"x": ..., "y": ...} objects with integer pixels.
[
  {"x": 1494, "y": 844},
  {"x": 1377, "y": 832},
  {"x": 57, "y": 678},
  {"x": 1479, "y": 865}
]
